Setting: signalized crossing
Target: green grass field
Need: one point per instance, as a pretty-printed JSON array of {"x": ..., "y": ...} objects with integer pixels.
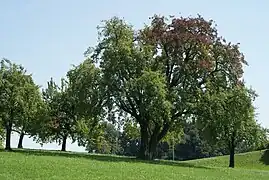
[{"x": 50, "y": 165}]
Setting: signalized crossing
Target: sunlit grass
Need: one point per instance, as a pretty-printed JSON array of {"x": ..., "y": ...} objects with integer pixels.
[{"x": 49, "y": 165}]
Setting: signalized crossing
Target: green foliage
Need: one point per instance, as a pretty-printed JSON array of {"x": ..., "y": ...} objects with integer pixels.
[
  {"x": 29, "y": 121},
  {"x": 13, "y": 86},
  {"x": 88, "y": 94},
  {"x": 224, "y": 113},
  {"x": 155, "y": 74},
  {"x": 61, "y": 113},
  {"x": 74, "y": 108},
  {"x": 227, "y": 117},
  {"x": 86, "y": 89},
  {"x": 106, "y": 142},
  {"x": 194, "y": 146},
  {"x": 131, "y": 129}
]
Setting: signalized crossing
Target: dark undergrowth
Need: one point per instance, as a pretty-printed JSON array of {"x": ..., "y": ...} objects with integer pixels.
[{"x": 265, "y": 157}]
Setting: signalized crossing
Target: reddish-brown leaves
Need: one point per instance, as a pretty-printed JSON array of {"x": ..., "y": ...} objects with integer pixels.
[{"x": 193, "y": 45}]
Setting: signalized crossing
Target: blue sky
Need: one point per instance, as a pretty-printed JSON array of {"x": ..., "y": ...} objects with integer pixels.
[{"x": 48, "y": 36}]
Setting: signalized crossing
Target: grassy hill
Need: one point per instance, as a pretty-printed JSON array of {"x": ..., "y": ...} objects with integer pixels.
[
  {"x": 52, "y": 165},
  {"x": 251, "y": 160}
]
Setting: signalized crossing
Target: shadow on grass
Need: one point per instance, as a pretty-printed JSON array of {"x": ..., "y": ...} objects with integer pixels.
[
  {"x": 106, "y": 158},
  {"x": 265, "y": 157}
]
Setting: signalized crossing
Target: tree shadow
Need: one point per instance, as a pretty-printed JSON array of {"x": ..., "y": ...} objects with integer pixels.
[
  {"x": 265, "y": 157},
  {"x": 106, "y": 158}
]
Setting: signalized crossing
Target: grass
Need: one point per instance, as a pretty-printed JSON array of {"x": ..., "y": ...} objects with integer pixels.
[
  {"x": 52, "y": 165},
  {"x": 258, "y": 160}
]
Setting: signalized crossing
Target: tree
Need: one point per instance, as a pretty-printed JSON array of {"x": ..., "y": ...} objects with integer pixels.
[
  {"x": 32, "y": 104},
  {"x": 88, "y": 92},
  {"x": 195, "y": 146},
  {"x": 228, "y": 116},
  {"x": 155, "y": 74},
  {"x": 258, "y": 141},
  {"x": 107, "y": 142},
  {"x": 129, "y": 138},
  {"x": 76, "y": 107},
  {"x": 40, "y": 127},
  {"x": 13, "y": 79},
  {"x": 62, "y": 113}
]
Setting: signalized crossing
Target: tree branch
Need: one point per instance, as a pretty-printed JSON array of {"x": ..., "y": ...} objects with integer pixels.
[{"x": 164, "y": 131}]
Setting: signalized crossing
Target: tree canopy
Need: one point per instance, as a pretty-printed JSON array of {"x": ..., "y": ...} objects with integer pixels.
[
  {"x": 156, "y": 74},
  {"x": 228, "y": 116},
  {"x": 14, "y": 85}
]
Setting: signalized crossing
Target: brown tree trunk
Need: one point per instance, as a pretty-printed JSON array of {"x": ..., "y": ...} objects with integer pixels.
[
  {"x": 152, "y": 148},
  {"x": 148, "y": 143},
  {"x": 232, "y": 151},
  {"x": 8, "y": 136},
  {"x": 144, "y": 143},
  {"x": 64, "y": 143},
  {"x": 154, "y": 142},
  {"x": 21, "y": 140}
]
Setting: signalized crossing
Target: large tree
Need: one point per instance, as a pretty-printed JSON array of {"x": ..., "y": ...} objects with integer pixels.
[
  {"x": 13, "y": 80},
  {"x": 154, "y": 74}
]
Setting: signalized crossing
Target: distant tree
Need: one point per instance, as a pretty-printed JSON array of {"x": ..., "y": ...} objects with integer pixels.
[
  {"x": 107, "y": 142},
  {"x": 130, "y": 137},
  {"x": 257, "y": 142},
  {"x": 155, "y": 74},
  {"x": 13, "y": 80},
  {"x": 228, "y": 116},
  {"x": 195, "y": 146},
  {"x": 130, "y": 147}
]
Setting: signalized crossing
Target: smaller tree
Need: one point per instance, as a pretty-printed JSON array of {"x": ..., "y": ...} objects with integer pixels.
[
  {"x": 85, "y": 86},
  {"x": 107, "y": 140},
  {"x": 76, "y": 106},
  {"x": 195, "y": 146},
  {"x": 130, "y": 137},
  {"x": 228, "y": 117},
  {"x": 32, "y": 104},
  {"x": 61, "y": 112},
  {"x": 13, "y": 79}
]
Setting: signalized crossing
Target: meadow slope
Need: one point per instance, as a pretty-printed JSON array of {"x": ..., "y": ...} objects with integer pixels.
[{"x": 49, "y": 165}]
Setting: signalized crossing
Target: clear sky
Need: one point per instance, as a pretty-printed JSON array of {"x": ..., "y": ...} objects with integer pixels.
[{"x": 48, "y": 36}]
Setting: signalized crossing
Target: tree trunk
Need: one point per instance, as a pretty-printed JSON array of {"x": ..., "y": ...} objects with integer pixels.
[
  {"x": 8, "y": 136},
  {"x": 154, "y": 142},
  {"x": 144, "y": 143},
  {"x": 148, "y": 143},
  {"x": 64, "y": 143},
  {"x": 232, "y": 151},
  {"x": 20, "y": 140},
  {"x": 152, "y": 148}
]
